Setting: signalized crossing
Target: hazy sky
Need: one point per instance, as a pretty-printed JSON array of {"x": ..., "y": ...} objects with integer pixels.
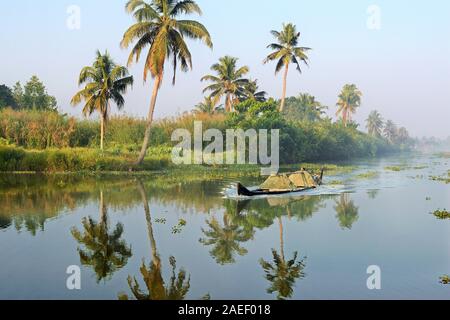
[{"x": 403, "y": 69}]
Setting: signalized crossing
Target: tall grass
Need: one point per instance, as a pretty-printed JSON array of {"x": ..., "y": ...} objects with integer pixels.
[{"x": 42, "y": 130}]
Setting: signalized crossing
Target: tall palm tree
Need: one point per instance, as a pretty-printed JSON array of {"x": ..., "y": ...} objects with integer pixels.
[
  {"x": 251, "y": 92},
  {"x": 349, "y": 101},
  {"x": 287, "y": 51},
  {"x": 179, "y": 284},
  {"x": 227, "y": 82},
  {"x": 105, "y": 81},
  {"x": 283, "y": 274},
  {"x": 403, "y": 135},
  {"x": 347, "y": 212},
  {"x": 390, "y": 131},
  {"x": 226, "y": 239},
  {"x": 208, "y": 106},
  {"x": 158, "y": 28},
  {"x": 374, "y": 124},
  {"x": 105, "y": 251}
]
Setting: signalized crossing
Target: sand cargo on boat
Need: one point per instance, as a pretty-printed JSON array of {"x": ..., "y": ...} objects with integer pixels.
[{"x": 284, "y": 183}]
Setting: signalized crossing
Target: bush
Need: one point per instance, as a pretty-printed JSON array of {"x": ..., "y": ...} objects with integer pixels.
[{"x": 11, "y": 158}]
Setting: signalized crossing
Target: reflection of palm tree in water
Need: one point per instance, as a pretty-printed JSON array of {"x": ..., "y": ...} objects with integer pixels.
[
  {"x": 372, "y": 194},
  {"x": 226, "y": 239},
  {"x": 283, "y": 274},
  {"x": 152, "y": 275},
  {"x": 105, "y": 252},
  {"x": 347, "y": 212}
]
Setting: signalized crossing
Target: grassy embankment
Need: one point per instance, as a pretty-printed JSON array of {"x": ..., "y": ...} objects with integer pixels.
[{"x": 32, "y": 141}]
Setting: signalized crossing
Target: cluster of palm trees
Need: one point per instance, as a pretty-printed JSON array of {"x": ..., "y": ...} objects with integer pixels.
[
  {"x": 388, "y": 130},
  {"x": 159, "y": 30}
]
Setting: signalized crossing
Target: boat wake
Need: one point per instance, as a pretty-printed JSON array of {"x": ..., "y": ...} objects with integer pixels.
[{"x": 230, "y": 192}]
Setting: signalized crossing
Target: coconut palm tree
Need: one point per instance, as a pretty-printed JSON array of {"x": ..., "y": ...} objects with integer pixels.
[
  {"x": 251, "y": 92},
  {"x": 226, "y": 239},
  {"x": 403, "y": 135},
  {"x": 228, "y": 81},
  {"x": 347, "y": 212},
  {"x": 390, "y": 131},
  {"x": 349, "y": 101},
  {"x": 158, "y": 27},
  {"x": 105, "y": 251},
  {"x": 283, "y": 274},
  {"x": 286, "y": 51},
  {"x": 105, "y": 82},
  {"x": 304, "y": 107},
  {"x": 208, "y": 106},
  {"x": 157, "y": 289},
  {"x": 375, "y": 124}
]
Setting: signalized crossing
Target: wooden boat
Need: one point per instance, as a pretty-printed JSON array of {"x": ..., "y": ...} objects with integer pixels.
[{"x": 286, "y": 183}]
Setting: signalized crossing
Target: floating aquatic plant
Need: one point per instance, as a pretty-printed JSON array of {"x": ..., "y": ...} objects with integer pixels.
[
  {"x": 368, "y": 175},
  {"x": 442, "y": 214},
  {"x": 445, "y": 279}
]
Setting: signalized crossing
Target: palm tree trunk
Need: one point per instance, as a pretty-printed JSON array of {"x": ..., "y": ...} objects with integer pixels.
[
  {"x": 102, "y": 131},
  {"x": 228, "y": 103},
  {"x": 283, "y": 97},
  {"x": 280, "y": 222},
  {"x": 149, "y": 221},
  {"x": 345, "y": 115},
  {"x": 148, "y": 128}
]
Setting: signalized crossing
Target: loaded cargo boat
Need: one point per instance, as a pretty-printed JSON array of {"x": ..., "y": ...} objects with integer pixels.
[{"x": 295, "y": 182}]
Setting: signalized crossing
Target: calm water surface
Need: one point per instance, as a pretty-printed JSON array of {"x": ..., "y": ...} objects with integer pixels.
[{"x": 158, "y": 239}]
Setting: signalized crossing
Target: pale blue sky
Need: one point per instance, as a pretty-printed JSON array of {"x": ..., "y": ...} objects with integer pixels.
[{"x": 402, "y": 69}]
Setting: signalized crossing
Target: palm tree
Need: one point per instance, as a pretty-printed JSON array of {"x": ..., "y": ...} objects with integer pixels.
[
  {"x": 287, "y": 52},
  {"x": 208, "y": 106},
  {"x": 105, "y": 81},
  {"x": 375, "y": 124},
  {"x": 152, "y": 275},
  {"x": 283, "y": 274},
  {"x": 226, "y": 240},
  {"x": 227, "y": 82},
  {"x": 304, "y": 107},
  {"x": 403, "y": 135},
  {"x": 390, "y": 131},
  {"x": 105, "y": 251},
  {"x": 347, "y": 212},
  {"x": 158, "y": 28},
  {"x": 349, "y": 101},
  {"x": 251, "y": 92}
]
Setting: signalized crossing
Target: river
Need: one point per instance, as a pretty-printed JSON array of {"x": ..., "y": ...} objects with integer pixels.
[{"x": 148, "y": 238}]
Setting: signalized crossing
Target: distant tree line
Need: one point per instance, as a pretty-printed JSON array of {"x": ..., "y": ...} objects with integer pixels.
[{"x": 32, "y": 96}]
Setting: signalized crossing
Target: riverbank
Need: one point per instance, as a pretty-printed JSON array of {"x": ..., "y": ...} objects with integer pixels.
[{"x": 42, "y": 141}]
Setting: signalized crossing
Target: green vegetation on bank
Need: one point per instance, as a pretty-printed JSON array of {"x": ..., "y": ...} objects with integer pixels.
[{"x": 48, "y": 141}]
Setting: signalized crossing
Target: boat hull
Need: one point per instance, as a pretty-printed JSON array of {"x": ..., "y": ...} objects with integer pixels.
[{"x": 243, "y": 191}]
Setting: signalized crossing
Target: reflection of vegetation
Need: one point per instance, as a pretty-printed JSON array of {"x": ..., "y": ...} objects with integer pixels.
[
  {"x": 4, "y": 223},
  {"x": 261, "y": 213},
  {"x": 283, "y": 274},
  {"x": 226, "y": 239},
  {"x": 442, "y": 214},
  {"x": 156, "y": 288},
  {"x": 373, "y": 193},
  {"x": 347, "y": 212},
  {"x": 105, "y": 252}
]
